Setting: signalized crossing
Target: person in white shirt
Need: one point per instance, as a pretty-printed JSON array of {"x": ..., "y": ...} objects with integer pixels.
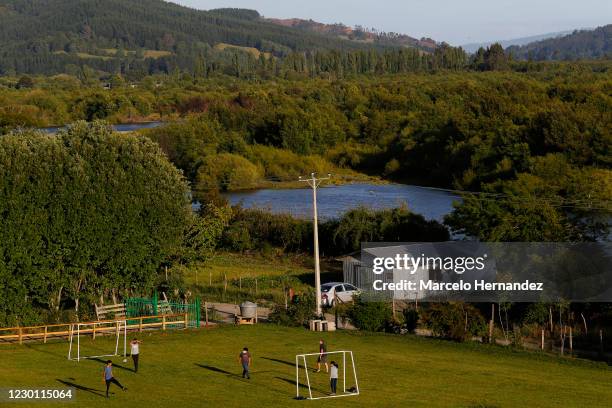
[
  {"x": 135, "y": 352},
  {"x": 333, "y": 377}
]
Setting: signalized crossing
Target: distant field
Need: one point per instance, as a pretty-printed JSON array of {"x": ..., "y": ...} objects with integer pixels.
[
  {"x": 199, "y": 369},
  {"x": 254, "y": 51},
  {"x": 110, "y": 53},
  {"x": 241, "y": 270}
]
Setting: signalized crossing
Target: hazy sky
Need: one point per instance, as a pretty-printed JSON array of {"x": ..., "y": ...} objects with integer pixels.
[{"x": 455, "y": 21}]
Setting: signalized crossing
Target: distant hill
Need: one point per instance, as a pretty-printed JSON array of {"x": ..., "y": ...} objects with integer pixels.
[
  {"x": 358, "y": 34},
  {"x": 45, "y": 36},
  {"x": 580, "y": 44},
  {"x": 473, "y": 47}
]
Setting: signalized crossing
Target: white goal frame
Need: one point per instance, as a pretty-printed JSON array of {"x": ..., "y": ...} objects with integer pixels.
[
  {"x": 302, "y": 357},
  {"x": 77, "y": 330}
]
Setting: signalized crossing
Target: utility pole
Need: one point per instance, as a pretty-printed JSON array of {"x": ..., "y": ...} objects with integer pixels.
[{"x": 314, "y": 183}]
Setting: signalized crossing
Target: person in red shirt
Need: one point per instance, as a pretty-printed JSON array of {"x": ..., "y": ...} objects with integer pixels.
[{"x": 245, "y": 359}]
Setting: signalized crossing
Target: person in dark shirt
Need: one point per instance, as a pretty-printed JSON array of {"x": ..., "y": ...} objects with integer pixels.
[
  {"x": 322, "y": 357},
  {"x": 245, "y": 359},
  {"x": 108, "y": 377}
]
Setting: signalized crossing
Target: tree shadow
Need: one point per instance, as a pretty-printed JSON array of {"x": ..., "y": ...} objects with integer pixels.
[
  {"x": 327, "y": 276},
  {"x": 99, "y": 393},
  {"x": 41, "y": 350}
]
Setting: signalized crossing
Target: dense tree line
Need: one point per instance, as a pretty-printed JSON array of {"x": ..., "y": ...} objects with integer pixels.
[
  {"x": 86, "y": 215},
  {"x": 256, "y": 229},
  {"x": 543, "y": 133}
]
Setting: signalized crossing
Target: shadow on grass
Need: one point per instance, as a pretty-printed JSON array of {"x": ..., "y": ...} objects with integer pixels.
[
  {"x": 327, "y": 276},
  {"x": 41, "y": 350},
  {"x": 276, "y": 360},
  {"x": 114, "y": 365},
  {"x": 99, "y": 393},
  {"x": 218, "y": 370},
  {"x": 239, "y": 378},
  {"x": 305, "y": 386}
]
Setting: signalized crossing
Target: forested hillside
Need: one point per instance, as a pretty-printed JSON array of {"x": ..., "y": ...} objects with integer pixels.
[
  {"x": 44, "y": 36},
  {"x": 584, "y": 44}
]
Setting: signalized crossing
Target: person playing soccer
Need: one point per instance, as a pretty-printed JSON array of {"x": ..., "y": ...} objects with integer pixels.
[
  {"x": 333, "y": 377},
  {"x": 135, "y": 352},
  {"x": 245, "y": 359},
  {"x": 322, "y": 357},
  {"x": 108, "y": 377}
]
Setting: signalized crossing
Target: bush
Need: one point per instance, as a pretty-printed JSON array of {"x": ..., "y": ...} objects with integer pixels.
[
  {"x": 227, "y": 172},
  {"x": 371, "y": 315},
  {"x": 456, "y": 321},
  {"x": 298, "y": 313}
]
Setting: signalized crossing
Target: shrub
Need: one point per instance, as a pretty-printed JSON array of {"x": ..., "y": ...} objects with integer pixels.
[
  {"x": 298, "y": 313},
  {"x": 370, "y": 315},
  {"x": 227, "y": 171},
  {"x": 456, "y": 321}
]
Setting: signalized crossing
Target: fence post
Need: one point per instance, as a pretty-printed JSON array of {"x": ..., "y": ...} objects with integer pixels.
[
  {"x": 206, "y": 312},
  {"x": 186, "y": 320},
  {"x": 20, "y": 335},
  {"x": 163, "y": 322},
  {"x": 94, "y": 332},
  {"x": 45, "y": 336},
  {"x": 140, "y": 325},
  {"x": 198, "y": 312},
  {"x": 542, "y": 339}
]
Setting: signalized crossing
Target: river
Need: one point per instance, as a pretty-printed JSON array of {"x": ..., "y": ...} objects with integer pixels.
[
  {"x": 123, "y": 127},
  {"x": 333, "y": 201}
]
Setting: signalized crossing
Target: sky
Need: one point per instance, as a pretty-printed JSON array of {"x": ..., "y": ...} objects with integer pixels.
[{"x": 454, "y": 21}]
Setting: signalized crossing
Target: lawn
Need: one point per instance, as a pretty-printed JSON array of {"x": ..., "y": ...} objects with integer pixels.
[{"x": 199, "y": 368}]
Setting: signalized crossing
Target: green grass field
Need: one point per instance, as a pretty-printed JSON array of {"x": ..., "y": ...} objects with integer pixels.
[
  {"x": 241, "y": 270},
  {"x": 200, "y": 368}
]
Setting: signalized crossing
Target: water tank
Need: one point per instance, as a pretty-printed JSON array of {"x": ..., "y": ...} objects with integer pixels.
[{"x": 248, "y": 309}]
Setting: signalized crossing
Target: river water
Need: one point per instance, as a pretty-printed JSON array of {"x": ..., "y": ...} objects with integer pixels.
[
  {"x": 124, "y": 127},
  {"x": 333, "y": 201}
]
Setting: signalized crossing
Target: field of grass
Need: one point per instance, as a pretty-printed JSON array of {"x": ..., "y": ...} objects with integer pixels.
[
  {"x": 251, "y": 50},
  {"x": 200, "y": 368},
  {"x": 241, "y": 271}
]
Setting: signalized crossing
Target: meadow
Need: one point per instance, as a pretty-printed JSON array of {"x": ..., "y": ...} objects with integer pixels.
[
  {"x": 200, "y": 368},
  {"x": 273, "y": 274}
]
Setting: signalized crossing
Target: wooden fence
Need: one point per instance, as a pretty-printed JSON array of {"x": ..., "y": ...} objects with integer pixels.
[{"x": 21, "y": 334}]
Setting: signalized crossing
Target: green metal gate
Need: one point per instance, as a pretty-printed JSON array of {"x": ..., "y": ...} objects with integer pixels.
[{"x": 137, "y": 307}]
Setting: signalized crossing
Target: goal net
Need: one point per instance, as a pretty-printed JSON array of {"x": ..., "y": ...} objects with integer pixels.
[
  {"x": 316, "y": 385},
  {"x": 83, "y": 335}
]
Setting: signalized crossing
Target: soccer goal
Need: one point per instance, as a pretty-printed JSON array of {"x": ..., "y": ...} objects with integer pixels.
[
  {"x": 117, "y": 328},
  {"x": 320, "y": 383}
]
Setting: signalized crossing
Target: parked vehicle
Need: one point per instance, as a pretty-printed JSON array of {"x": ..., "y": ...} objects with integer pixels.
[{"x": 333, "y": 292}]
